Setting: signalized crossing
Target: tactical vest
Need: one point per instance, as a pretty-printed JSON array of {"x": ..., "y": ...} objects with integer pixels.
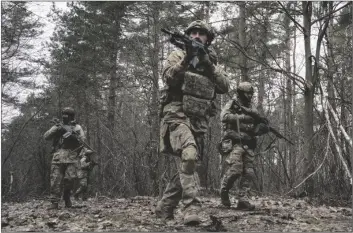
[
  {"x": 247, "y": 130},
  {"x": 198, "y": 91},
  {"x": 69, "y": 140}
]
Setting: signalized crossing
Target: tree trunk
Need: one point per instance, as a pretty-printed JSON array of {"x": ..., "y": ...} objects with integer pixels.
[
  {"x": 154, "y": 110},
  {"x": 308, "y": 97},
  {"x": 242, "y": 41},
  {"x": 288, "y": 115},
  {"x": 293, "y": 127}
]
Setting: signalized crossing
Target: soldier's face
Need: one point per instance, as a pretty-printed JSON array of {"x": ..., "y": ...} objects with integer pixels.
[
  {"x": 66, "y": 118},
  {"x": 246, "y": 96},
  {"x": 201, "y": 35}
]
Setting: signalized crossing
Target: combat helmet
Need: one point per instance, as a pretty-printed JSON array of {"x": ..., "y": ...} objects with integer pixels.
[
  {"x": 201, "y": 25},
  {"x": 89, "y": 152},
  {"x": 69, "y": 111},
  {"x": 245, "y": 87}
]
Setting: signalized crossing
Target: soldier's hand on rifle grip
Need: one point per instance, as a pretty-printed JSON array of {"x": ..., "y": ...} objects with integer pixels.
[
  {"x": 205, "y": 59},
  {"x": 189, "y": 52},
  {"x": 59, "y": 128}
]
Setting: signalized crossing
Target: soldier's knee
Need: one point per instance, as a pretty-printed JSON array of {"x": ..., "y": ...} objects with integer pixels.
[
  {"x": 249, "y": 171},
  {"x": 189, "y": 157},
  {"x": 235, "y": 169}
]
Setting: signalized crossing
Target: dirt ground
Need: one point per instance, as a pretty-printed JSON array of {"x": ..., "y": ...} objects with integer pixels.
[{"x": 137, "y": 214}]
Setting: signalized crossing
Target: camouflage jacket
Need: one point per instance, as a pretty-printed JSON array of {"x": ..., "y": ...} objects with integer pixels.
[
  {"x": 237, "y": 125},
  {"x": 178, "y": 86},
  {"x": 68, "y": 148}
]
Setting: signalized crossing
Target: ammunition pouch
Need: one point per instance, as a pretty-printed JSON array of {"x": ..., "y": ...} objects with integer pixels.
[
  {"x": 198, "y": 86},
  {"x": 242, "y": 138},
  {"x": 195, "y": 106},
  {"x": 225, "y": 146},
  {"x": 198, "y": 93},
  {"x": 65, "y": 156}
]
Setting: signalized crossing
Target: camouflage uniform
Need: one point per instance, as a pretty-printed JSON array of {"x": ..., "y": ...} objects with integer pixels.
[
  {"x": 237, "y": 147},
  {"x": 63, "y": 165},
  {"x": 84, "y": 167},
  {"x": 187, "y": 107}
]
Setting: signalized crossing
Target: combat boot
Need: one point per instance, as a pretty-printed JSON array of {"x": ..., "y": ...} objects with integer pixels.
[
  {"x": 76, "y": 196},
  {"x": 245, "y": 205},
  {"x": 225, "y": 198},
  {"x": 53, "y": 206},
  {"x": 84, "y": 196},
  {"x": 191, "y": 217},
  {"x": 67, "y": 199},
  {"x": 164, "y": 212},
  {"x": 77, "y": 193}
]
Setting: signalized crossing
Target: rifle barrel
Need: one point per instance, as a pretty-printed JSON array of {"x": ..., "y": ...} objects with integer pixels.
[{"x": 166, "y": 31}]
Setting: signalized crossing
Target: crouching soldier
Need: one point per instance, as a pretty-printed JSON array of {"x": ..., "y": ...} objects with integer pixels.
[{"x": 85, "y": 165}]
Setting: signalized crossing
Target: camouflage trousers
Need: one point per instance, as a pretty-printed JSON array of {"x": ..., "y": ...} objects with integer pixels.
[
  {"x": 83, "y": 177},
  {"x": 62, "y": 176},
  {"x": 185, "y": 185},
  {"x": 239, "y": 163}
]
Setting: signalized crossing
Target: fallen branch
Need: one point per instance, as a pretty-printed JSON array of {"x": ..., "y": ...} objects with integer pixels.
[
  {"x": 343, "y": 131},
  {"x": 317, "y": 169},
  {"x": 336, "y": 143}
]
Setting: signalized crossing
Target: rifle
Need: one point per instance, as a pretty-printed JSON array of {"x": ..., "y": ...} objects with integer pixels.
[
  {"x": 181, "y": 41},
  {"x": 264, "y": 121},
  {"x": 94, "y": 163},
  {"x": 69, "y": 132}
]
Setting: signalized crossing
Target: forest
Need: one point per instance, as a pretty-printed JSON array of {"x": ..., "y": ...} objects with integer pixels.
[{"x": 105, "y": 59}]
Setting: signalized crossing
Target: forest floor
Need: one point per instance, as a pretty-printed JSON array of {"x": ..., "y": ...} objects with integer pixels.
[{"x": 137, "y": 214}]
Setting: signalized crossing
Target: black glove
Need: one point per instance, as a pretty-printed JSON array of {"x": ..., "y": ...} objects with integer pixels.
[
  {"x": 205, "y": 59},
  {"x": 189, "y": 52},
  {"x": 60, "y": 129},
  {"x": 263, "y": 120}
]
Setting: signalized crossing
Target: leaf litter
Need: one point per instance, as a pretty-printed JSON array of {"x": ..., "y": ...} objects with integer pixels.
[{"x": 137, "y": 214}]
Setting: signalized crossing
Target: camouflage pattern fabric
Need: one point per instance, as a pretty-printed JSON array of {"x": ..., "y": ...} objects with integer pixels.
[
  {"x": 184, "y": 185},
  {"x": 83, "y": 169},
  {"x": 239, "y": 130},
  {"x": 182, "y": 131},
  {"x": 64, "y": 161},
  {"x": 238, "y": 163},
  {"x": 61, "y": 175}
]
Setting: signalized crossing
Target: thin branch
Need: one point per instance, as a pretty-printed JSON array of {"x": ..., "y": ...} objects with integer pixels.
[
  {"x": 330, "y": 13},
  {"x": 343, "y": 131},
  {"x": 317, "y": 169},
  {"x": 300, "y": 27},
  {"x": 279, "y": 70},
  {"x": 19, "y": 134}
]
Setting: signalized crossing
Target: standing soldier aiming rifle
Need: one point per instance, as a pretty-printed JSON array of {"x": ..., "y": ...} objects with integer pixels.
[
  {"x": 68, "y": 137},
  {"x": 192, "y": 81}
]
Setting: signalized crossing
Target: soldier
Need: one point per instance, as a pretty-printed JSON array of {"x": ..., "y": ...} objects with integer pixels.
[
  {"x": 241, "y": 124},
  {"x": 85, "y": 165},
  {"x": 69, "y": 136},
  {"x": 187, "y": 105}
]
